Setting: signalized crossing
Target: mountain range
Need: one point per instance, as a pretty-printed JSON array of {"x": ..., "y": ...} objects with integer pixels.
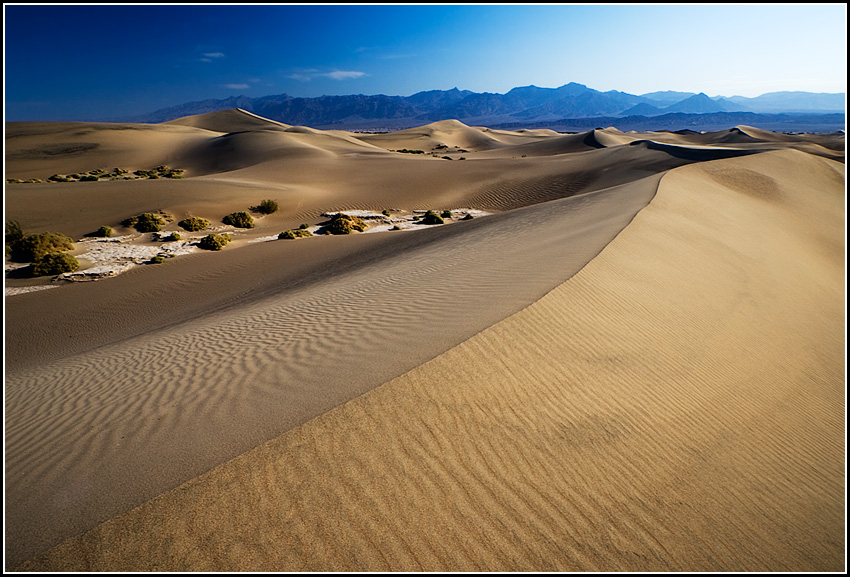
[{"x": 523, "y": 105}]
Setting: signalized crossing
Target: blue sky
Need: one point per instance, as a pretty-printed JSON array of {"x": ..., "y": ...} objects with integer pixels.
[{"x": 99, "y": 62}]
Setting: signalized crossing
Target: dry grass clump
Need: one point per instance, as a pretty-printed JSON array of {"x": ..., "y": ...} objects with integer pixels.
[
  {"x": 294, "y": 233},
  {"x": 346, "y": 224},
  {"x": 55, "y": 263},
  {"x": 267, "y": 206},
  {"x": 148, "y": 221},
  {"x": 32, "y": 247},
  {"x": 239, "y": 219},
  {"x": 432, "y": 217},
  {"x": 214, "y": 241},
  {"x": 193, "y": 223}
]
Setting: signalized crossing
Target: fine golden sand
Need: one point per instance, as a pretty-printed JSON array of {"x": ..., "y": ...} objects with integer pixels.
[{"x": 636, "y": 363}]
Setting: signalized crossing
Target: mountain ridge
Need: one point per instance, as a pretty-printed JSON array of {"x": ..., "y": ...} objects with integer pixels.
[{"x": 528, "y": 104}]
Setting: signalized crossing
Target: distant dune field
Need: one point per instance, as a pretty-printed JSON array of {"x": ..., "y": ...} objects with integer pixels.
[{"x": 629, "y": 356}]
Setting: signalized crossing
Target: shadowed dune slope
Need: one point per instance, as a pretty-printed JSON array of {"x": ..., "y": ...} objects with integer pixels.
[
  {"x": 41, "y": 149},
  {"x": 677, "y": 405}
]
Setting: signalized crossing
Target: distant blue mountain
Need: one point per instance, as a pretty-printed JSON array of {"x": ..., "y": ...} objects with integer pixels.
[{"x": 528, "y": 104}]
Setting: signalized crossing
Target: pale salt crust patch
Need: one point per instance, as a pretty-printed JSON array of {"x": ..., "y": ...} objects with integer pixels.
[
  {"x": 111, "y": 257},
  {"x": 115, "y": 255}
]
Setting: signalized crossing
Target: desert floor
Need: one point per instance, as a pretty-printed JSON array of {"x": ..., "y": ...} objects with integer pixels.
[{"x": 632, "y": 358}]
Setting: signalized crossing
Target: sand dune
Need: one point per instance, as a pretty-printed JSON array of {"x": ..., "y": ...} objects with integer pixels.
[
  {"x": 446, "y": 132},
  {"x": 234, "y": 120},
  {"x": 634, "y": 364}
]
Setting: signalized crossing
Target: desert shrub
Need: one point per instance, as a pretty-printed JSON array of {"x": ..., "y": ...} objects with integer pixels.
[
  {"x": 55, "y": 263},
  {"x": 14, "y": 181},
  {"x": 345, "y": 224},
  {"x": 157, "y": 259},
  {"x": 104, "y": 232},
  {"x": 146, "y": 222},
  {"x": 304, "y": 226},
  {"x": 267, "y": 206},
  {"x": 294, "y": 233},
  {"x": 89, "y": 178},
  {"x": 396, "y": 227},
  {"x": 406, "y": 151},
  {"x": 172, "y": 236},
  {"x": 385, "y": 212},
  {"x": 214, "y": 241},
  {"x": 446, "y": 214},
  {"x": 432, "y": 217},
  {"x": 193, "y": 223},
  {"x": 446, "y": 157},
  {"x": 467, "y": 217},
  {"x": 239, "y": 219},
  {"x": 58, "y": 178},
  {"x": 14, "y": 233},
  {"x": 32, "y": 247}
]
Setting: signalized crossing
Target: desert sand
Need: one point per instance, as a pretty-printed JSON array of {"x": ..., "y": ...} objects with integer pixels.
[{"x": 632, "y": 359}]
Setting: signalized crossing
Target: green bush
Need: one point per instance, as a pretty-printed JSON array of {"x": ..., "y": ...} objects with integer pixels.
[
  {"x": 446, "y": 214},
  {"x": 13, "y": 232},
  {"x": 158, "y": 259},
  {"x": 267, "y": 206},
  {"x": 173, "y": 236},
  {"x": 104, "y": 231},
  {"x": 193, "y": 223},
  {"x": 13, "y": 235},
  {"x": 385, "y": 212},
  {"x": 294, "y": 233},
  {"x": 147, "y": 221},
  {"x": 304, "y": 226},
  {"x": 345, "y": 224},
  {"x": 432, "y": 217},
  {"x": 89, "y": 178},
  {"x": 239, "y": 219},
  {"x": 32, "y": 247},
  {"x": 467, "y": 217},
  {"x": 214, "y": 241},
  {"x": 55, "y": 263}
]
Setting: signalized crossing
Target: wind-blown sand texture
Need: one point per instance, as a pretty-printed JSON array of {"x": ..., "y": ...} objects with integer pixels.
[{"x": 635, "y": 363}]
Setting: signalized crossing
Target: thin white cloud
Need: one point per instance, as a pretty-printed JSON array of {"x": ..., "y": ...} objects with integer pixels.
[
  {"x": 210, "y": 56},
  {"x": 307, "y": 75},
  {"x": 343, "y": 74},
  {"x": 237, "y": 86}
]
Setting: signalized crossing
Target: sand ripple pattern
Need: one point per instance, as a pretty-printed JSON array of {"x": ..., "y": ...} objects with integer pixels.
[
  {"x": 514, "y": 193},
  {"x": 195, "y": 395}
]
